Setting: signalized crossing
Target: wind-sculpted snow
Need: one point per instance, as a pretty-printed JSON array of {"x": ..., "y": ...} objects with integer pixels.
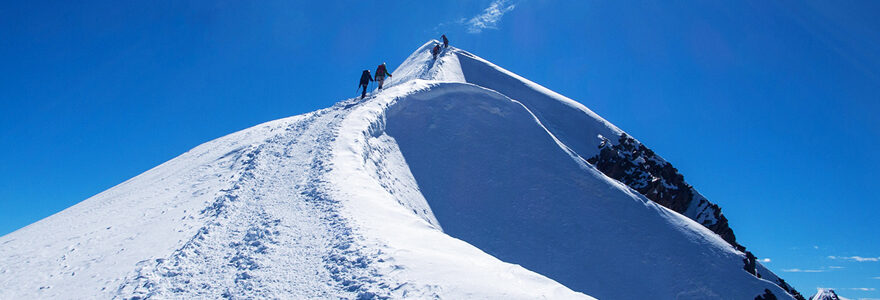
[
  {"x": 585, "y": 133},
  {"x": 573, "y": 123},
  {"x": 387, "y": 205},
  {"x": 497, "y": 179}
]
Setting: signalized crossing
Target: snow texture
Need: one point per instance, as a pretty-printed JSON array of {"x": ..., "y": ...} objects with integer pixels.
[{"x": 460, "y": 180}]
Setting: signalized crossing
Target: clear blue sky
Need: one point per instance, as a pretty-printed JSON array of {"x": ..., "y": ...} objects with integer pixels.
[{"x": 769, "y": 108}]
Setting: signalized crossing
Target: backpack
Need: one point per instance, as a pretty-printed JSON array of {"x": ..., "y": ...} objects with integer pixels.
[{"x": 365, "y": 77}]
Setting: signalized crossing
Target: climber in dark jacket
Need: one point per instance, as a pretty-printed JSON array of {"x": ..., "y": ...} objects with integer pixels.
[
  {"x": 435, "y": 51},
  {"x": 365, "y": 81},
  {"x": 381, "y": 71},
  {"x": 445, "y": 41}
]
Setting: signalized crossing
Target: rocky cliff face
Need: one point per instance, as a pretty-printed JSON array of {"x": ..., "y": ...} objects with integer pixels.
[{"x": 633, "y": 164}]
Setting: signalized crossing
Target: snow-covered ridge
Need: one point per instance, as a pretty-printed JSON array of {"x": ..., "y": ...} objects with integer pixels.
[
  {"x": 421, "y": 65},
  {"x": 295, "y": 208},
  {"x": 459, "y": 180},
  {"x": 615, "y": 153},
  {"x": 587, "y": 133}
]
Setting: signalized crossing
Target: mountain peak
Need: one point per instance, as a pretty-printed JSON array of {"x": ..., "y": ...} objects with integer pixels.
[
  {"x": 421, "y": 65},
  {"x": 825, "y": 294},
  {"x": 459, "y": 180}
]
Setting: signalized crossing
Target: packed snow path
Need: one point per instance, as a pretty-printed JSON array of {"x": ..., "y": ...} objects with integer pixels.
[
  {"x": 268, "y": 232},
  {"x": 341, "y": 203},
  {"x": 269, "y": 221}
]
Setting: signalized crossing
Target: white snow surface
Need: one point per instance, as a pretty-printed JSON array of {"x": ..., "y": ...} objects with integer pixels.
[
  {"x": 460, "y": 180},
  {"x": 826, "y": 294}
]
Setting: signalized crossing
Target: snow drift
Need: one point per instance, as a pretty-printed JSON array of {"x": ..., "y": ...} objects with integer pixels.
[{"x": 459, "y": 180}]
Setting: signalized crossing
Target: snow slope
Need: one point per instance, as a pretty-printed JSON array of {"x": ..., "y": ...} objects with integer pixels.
[
  {"x": 497, "y": 177},
  {"x": 573, "y": 123},
  {"x": 459, "y": 180},
  {"x": 295, "y": 208},
  {"x": 826, "y": 294}
]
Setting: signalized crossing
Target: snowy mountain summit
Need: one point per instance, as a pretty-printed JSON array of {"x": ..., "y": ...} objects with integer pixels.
[
  {"x": 825, "y": 294},
  {"x": 459, "y": 180}
]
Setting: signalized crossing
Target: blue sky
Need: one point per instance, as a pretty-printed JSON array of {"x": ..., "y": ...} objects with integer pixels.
[{"x": 767, "y": 107}]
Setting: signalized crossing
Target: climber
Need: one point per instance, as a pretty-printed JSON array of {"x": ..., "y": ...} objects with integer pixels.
[
  {"x": 381, "y": 71},
  {"x": 436, "y": 50},
  {"x": 365, "y": 81},
  {"x": 445, "y": 41}
]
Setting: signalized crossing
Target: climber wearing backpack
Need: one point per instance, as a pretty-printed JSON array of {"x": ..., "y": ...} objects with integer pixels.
[
  {"x": 435, "y": 51},
  {"x": 381, "y": 71},
  {"x": 445, "y": 41},
  {"x": 365, "y": 81}
]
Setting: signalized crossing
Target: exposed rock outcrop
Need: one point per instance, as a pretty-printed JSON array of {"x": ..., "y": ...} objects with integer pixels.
[
  {"x": 790, "y": 289},
  {"x": 768, "y": 295},
  {"x": 633, "y": 164}
]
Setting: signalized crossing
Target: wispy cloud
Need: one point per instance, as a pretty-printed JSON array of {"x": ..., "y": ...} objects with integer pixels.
[
  {"x": 863, "y": 289},
  {"x": 490, "y": 16},
  {"x": 856, "y": 258},
  {"x": 802, "y": 271},
  {"x": 764, "y": 260},
  {"x": 835, "y": 267},
  {"x": 878, "y": 277}
]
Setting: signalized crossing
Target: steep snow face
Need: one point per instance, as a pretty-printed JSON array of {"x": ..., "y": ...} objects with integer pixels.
[
  {"x": 593, "y": 138},
  {"x": 497, "y": 178},
  {"x": 583, "y": 131},
  {"x": 418, "y": 252},
  {"x": 573, "y": 123}
]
